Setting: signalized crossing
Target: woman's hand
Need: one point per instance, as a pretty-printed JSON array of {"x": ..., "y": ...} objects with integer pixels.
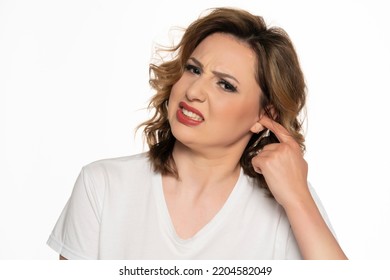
[
  {"x": 285, "y": 172},
  {"x": 283, "y": 166}
]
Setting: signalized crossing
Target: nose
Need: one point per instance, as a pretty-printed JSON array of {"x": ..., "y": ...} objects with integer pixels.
[{"x": 196, "y": 90}]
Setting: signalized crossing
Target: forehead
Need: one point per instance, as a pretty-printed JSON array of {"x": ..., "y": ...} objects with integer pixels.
[{"x": 226, "y": 51}]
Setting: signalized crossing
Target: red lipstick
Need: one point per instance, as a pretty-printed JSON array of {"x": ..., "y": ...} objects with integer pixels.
[{"x": 188, "y": 115}]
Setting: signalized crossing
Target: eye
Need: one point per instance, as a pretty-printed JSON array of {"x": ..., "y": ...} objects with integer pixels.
[
  {"x": 193, "y": 69},
  {"x": 227, "y": 86}
]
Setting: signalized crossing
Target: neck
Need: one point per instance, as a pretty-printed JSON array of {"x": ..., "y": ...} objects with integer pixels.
[{"x": 203, "y": 170}]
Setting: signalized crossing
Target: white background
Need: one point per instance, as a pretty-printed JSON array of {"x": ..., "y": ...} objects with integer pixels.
[{"x": 74, "y": 85}]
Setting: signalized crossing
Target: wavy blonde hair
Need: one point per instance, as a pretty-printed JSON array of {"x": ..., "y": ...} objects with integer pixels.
[{"x": 278, "y": 74}]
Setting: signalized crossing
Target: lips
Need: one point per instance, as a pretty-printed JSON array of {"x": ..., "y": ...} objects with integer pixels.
[{"x": 189, "y": 115}]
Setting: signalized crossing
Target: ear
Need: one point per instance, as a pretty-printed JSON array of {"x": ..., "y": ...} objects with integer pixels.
[{"x": 270, "y": 111}]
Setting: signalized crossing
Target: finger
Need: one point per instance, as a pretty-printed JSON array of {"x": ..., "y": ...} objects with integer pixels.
[
  {"x": 259, "y": 162},
  {"x": 257, "y": 170},
  {"x": 267, "y": 148},
  {"x": 280, "y": 132},
  {"x": 271, "y": 147},
  {"x": 256, "y": 166}
]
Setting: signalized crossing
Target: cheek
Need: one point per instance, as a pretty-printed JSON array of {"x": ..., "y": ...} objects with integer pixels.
[
  {"x": 173, "y": 100},
  {"x": 176, "y": 90},
  {"x": 241, "y": 112},
  {"x": 173, "y": 91},
  {"x": 173, "y": 96}
]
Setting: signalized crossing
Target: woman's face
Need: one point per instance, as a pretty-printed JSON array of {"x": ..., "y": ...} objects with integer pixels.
[{"x": 216, "y": 102}]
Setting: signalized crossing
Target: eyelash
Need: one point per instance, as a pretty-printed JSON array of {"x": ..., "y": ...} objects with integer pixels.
[
  {"x": 222, "y": 83},
  {"x": 227, "y": 86},
  {"x": 192, "y": 68}
]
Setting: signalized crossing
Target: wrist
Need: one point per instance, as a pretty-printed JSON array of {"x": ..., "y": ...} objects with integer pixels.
[{"x": 302, "y": 202}]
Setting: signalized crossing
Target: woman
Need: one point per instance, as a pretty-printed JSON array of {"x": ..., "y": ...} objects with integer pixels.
[{"x": 225, "y": 176}]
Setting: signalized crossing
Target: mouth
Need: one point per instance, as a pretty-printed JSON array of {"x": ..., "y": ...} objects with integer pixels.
[
  {"x": 189, "y": 116},
  {"x": 190, "y": 112}
]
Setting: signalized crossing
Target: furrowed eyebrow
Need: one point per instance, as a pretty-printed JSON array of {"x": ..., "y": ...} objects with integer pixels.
[
  {"x": 197, "y": 62},
  {"x": 224, "y": 75},
  {"x": 219, "y": 74}
]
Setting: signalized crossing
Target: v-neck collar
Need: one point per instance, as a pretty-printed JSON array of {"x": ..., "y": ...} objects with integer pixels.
[{"x": 166, "y": 221}]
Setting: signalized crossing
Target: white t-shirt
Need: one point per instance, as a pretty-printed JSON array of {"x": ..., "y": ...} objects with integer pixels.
[{"x": 117, "y": 211}]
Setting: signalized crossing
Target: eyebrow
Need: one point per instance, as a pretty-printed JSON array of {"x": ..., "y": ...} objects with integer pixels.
[{"x": 217, "y": 73}]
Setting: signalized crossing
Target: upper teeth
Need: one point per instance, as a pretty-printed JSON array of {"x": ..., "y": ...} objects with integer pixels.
[{"x": 191, "y": 115}]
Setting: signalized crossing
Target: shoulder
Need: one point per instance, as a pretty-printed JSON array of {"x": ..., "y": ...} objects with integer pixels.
[
  {"x": 116, "y": 172},
  {"x": 119, "y": 164},
  {"x": 260, "y": 200}
]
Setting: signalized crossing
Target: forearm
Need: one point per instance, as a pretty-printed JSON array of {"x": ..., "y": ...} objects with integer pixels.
[{"x": 314, "y": 238}]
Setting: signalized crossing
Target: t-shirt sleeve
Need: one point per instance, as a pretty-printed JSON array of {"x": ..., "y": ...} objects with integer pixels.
[{"x": 76, "y": 233}]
